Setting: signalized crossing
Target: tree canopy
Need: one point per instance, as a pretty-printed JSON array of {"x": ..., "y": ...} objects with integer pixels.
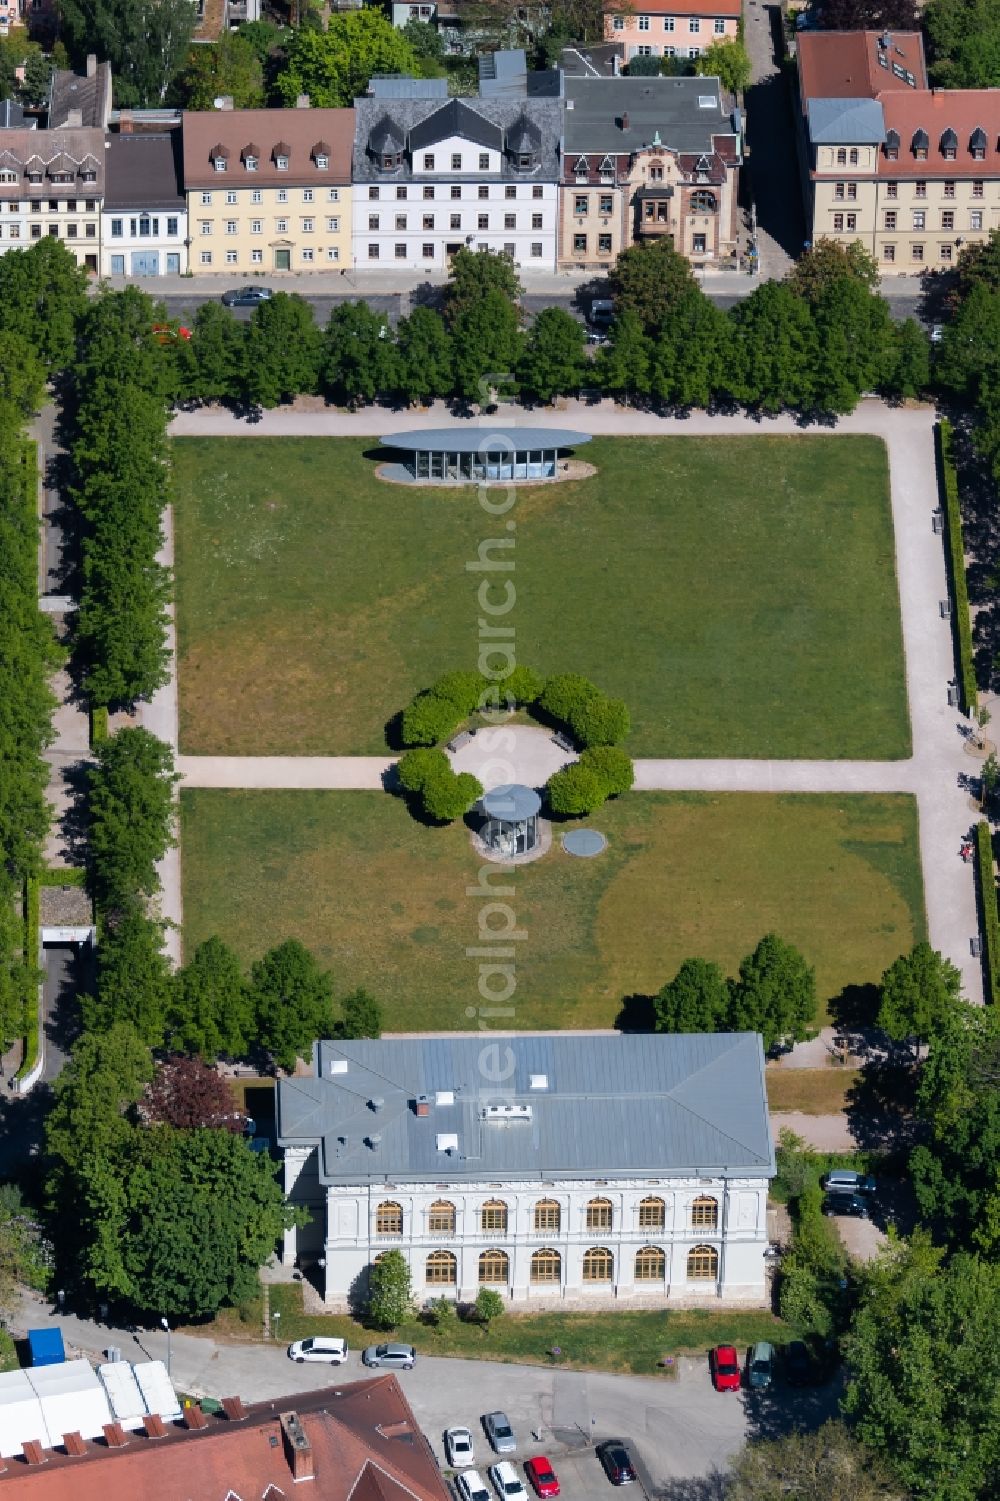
[
  {"x": 775, "y": 992},
  {"x": 333, "y": 66},
  {"x": 695, "y": 1000},
  {"x": 292, "y": 999},
  {"x": 145, "y": 41},
  {"x": 919, "y": 994}
]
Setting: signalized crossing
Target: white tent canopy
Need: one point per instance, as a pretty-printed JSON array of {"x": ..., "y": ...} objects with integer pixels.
[
  {"x": 118, "y": 1380},
  {"x": 21, "y": 1419},
  {"x": 157, "y": 1389},
  {"x": 72, "y": 1400}
]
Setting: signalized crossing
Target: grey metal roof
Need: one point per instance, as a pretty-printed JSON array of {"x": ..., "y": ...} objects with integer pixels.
[
  {"x": 144, "y": 172},
  {"x": 670, "y": 107},
  {"x": 608, "y": 1107},
  {"x": 477, "y": 439},
  {"x": 89, "y": 92},
  {"x": 500, "y": 115},
  {"x": 511, "y": 803},
  {"x": 846, "y": 122},
  {"x": 402, "y": 87}
]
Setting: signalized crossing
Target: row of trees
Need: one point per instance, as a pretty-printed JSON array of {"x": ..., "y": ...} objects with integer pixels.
[{"x": 774, "y": 993}]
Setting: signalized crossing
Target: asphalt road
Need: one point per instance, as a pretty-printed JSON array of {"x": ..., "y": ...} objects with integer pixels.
[{"x": 68, "y": 975}]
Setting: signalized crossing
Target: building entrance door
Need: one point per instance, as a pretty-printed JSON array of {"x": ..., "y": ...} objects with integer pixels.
[
  {"x": 173, "y": 263},
  {"x": 282, "y": 260},
  {"x": 451, "y": 250},
  {"x": 145, "y": 263},
  {"x": 117, "y": 265}
]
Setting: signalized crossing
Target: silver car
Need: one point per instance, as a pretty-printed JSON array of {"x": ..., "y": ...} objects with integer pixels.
[
  {"x": 500, "y": 1433},
  {"x": 397, "y": 1357}
]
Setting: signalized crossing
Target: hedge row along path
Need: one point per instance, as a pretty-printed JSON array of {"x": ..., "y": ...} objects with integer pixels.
[{"x": 934, "y": 774}]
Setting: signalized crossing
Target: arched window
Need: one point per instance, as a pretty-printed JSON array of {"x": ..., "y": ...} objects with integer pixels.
[
  {"x": 494, "y": 1266},
  {"x": 441, "y": 1218},
  {"x": 598, "y": 1265},
  {"x": 546, "y": 1266},
  {"x": 853, "y": 156},
  {"x": 599, "y": 1214},
  {"x": 705, "y": 1213},
  {"x": 703, "y": 202},
  {"x": 493, "y": 1216},
  {"x": 441, "y": 1269},
  {"x": 389, "y": 1218},
  {"x": 548, "y": 1215},
  {"x": 652, "y": 1214},
  {"x": 650, "y": 1264},
  {"x": 703, "y": 1264}
]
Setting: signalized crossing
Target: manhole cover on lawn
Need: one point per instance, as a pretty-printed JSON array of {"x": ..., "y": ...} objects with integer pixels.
[{"x": 584, "y": 842}]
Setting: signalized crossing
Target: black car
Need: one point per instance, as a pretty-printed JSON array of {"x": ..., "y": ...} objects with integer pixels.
[
  {"x": 846, "y": 1204},
  {"x": 617, "y": 1465},
  {"x": 800, "y": 1367},
  {"x": 247, "y": 296}
]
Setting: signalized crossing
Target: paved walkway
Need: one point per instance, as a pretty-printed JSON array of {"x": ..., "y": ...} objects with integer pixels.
[{"x": 934, "y": 772}]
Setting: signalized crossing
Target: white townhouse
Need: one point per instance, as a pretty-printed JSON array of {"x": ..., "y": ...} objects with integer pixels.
[
  {"x": 144, "y": 223},
  {"x": 558, "y": 1169},
  {"x": 430, "y": 178}
]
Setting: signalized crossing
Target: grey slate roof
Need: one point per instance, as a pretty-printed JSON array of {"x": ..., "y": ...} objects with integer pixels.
[
  {"x": 144, "y": 172},
  {"x": 505, "y": 75},
  {"x": 456, "y": 119},
  {"x": 90, "y": 93},
  {"x": 412, "y": 118},
  {"x": 402, "y": 87},
  {"x": 846, "y": 122},
  {"x": 596, "y": 107},
  {"x": 12, "y": 115},
  {"x": 614, "y": 1107}
]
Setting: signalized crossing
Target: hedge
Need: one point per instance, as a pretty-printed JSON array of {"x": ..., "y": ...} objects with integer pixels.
[
  {"x": 99, "y": 727},
  {"x": 948, "y": 478},
  {"x": 32, "y": 922},
  {"x": 991, "y": 922}
]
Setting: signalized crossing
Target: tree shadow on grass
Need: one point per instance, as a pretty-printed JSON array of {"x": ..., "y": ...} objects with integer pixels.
[{"x": 637, "y": 1013}]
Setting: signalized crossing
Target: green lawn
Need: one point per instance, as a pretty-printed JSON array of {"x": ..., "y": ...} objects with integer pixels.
[
  {"x": 633, "y": 1340},
  {"x": 739, "y": 593},
  {"x": 383, "y": 900}
]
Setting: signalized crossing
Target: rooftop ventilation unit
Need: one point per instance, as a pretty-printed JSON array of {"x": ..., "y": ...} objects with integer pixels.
[
  {"x": 375, "y": 1103},
  {"x": 338, "y": 1065},
  {"x": 707, "y": 101},
  {"x": 444, "y": 1097},
  {"x": 538, "y": 1081},
  {"x": 447, "y": 1141},
  {"x": 505, "y": 1115},
  {"x": 421, "y": 1105},
  {"x": 375, "y": 1141}
]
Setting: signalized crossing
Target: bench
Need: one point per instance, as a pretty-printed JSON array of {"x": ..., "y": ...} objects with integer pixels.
[
  {"x": 460, "y": 740},
  {"x": 563, "y": 741}
]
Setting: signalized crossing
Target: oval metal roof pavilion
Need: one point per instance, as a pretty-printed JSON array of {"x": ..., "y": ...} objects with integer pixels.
[
  {"x": 483, "y": 439},
  {"x": 511, "y": 803}
]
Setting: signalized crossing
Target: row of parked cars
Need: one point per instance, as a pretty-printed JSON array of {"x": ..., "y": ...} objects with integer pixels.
[
  {"x": 846, "y": 1192},
  {"x": 801, "y": 1366},
  {"x": 460, "y": 1452}
]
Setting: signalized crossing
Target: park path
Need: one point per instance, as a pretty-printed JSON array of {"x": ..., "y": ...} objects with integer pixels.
[{"x": 934, "y": 774}]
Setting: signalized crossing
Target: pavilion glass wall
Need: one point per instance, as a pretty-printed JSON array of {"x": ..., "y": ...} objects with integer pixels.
[{"x": 533, "y": 463}]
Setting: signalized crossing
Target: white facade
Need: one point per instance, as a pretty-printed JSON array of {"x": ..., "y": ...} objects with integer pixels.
[
  {"x": 144, "y": 243},
  {"x": 403, "y": 14},
  {"x": 437, "y": 216},
  {"x": 545, "y": 1244}
]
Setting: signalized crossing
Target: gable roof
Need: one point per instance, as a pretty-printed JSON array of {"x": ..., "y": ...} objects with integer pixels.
[
  {"x": 144, "y": 171},
  {"x": 89, "y": 92},
  {"x": 611, "y": 1107},
  {"x": 686, "y": 113},
  {"x": 456, "y": 119},
  {"x": 856, "y": 64},
  {"x": 845, "y": 122},
  {"x": 968, "y": 114},
  {"x": 298, "y": 130}
]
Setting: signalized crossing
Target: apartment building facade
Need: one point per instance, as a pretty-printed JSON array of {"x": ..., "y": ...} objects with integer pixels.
[
  {"x": 599, "y": 1171},
  {"x": 910, "y": 172},
  {"x": 52, "y": 183},
  {"x": 431, "y": 178},
  {"x": 144, "y": 218},
  {"x": 670, "y": 28},
  {"x": 648, "y": 158},
  {"x": 268, "y": 190}
]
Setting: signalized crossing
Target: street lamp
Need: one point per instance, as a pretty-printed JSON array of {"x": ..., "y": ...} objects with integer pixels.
[
  {"x": 166, "y": 1326},
  {"x": 274, "y": 1325}
]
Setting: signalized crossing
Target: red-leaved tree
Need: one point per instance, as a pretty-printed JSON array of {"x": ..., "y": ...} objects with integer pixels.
[{"x": 186, "y": 1093}]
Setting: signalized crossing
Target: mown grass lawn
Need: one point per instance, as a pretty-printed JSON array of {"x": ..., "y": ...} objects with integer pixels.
[
  {"x": 629, "y": 1340},
  {"x": 813, "y": 1091},
  {"x": 739, "y": 593},
  {"x": 383, "y": 901}
]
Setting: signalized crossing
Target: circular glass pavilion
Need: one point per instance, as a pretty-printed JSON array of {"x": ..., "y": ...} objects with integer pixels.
[
  {"x": 462, "y": 454},
  {"x": 510, "y": 819}
]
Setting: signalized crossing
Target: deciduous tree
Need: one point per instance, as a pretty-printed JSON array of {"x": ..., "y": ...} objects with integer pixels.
[
  {"x": 283, "y": 347},
  {"x": 553, "y": 361},
  {"x": 649, "y": 280},
  {"x": 423, "y": 348},
  {"x": 134, "y": 978},
  {"x": 695, "y": 1000},
  {"x": 359, "y": 356},
  {"x": 390, "y": 1294},
  {"x": 728, "y": 61},
  {"x": 145, "y": 41},
  {"x": 775, "y": 992},
  {"x": 212, "y": 363},
  {"x": 827, "y": 1462},
  {"x": 775, "y": 352},
  {"x": 624, "y": 364},
  {"x": 292, "y": 1000},
  {"x": 486, "y": 347},
  {"x": 920, "y": 993},
  {"x": 361, "y": 1015},
  {"x": 231, "y": 66},
  {"x": 333, "y": 66},
  {"x": 188, "y": 1094},
  {"x": 474, "y": 273},
  {"x": 130, "y": 807},
  {"x": 42, "y": 294},
  {"x": 210, "y": 1011}
]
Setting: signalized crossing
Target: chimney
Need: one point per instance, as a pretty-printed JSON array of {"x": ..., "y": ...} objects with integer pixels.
[
  {"x": 375, "y": 1103},
  {"x": 126, "y": 122},
  {"x": 74, "y": 119},
  {"x": 153, "y": 1424},
  {"x": 298, "y": 1449},
  {"x": 33, "y": 1452},
  {"x": 73, "y": 1443},
  {"x": 91, "y": 64},
  {"x": 194, "y": 1418},
  {"x": 625, "y": 120},
  {"x": 302, "y": 101},
  {"x": 421, "y": 1106},
  {"x": 234, "y": 1409},
  {"x": 114, "y": 1436}
]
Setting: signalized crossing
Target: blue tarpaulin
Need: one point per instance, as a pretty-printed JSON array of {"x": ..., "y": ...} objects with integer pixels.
[{"x": 46, "y": 1346}]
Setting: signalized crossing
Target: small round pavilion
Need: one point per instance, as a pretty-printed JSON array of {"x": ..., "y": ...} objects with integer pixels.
[
  {"x": 460, "y": 455},
  {"x": 510, "y": 820}
]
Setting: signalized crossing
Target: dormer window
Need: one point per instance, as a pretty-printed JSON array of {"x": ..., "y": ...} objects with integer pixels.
[
  {"x": 841, "y": 156},
  {"x": 281, "y": 153},
  {"x": 6, "y": 176},
  {"x": 88, "y": 174},
  {"x": 582, "y": 167},
  {"x": 391, "y": 162},
  {"x": 219, "y": 163},
  {"x": 949, "y": 145},
  {"x": 977, "y": 144},
  {"x": 34, "y": 177},
  {"x": 920, "y": 145},
  {"x": 281, "y": 163},
  {"x": 219, "y": 156},
  {"x": 525, "y": 161},
  {"x": 892, "y": 145},
  {"x": 251, "y": 163}
]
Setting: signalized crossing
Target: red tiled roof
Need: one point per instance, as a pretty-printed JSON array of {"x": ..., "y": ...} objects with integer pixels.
[
  {"x": 936, "y": 111},
  {"x": 352, "y": 1456},
  {"x": 845, "y": 64},
  {"x": 295, "y": 131}
]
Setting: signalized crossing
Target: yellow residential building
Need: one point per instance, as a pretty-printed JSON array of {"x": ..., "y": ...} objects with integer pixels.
[{"x": 268, "y": 190}]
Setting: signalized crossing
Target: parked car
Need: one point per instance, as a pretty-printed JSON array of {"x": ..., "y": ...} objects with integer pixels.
[
  {"x": 760, "y": 1366},
  {"x": 507, "y": 1482},
  {"x": 842, "y": 1181},
  {"x": 320, "y": 1348},
  {"x": 499, "y": 1432},
  {"x": 602, "y": 313},
  {"x": 458, "y": 1448},
  {"x": 246, "y": 296},
  {"x": 542, "y": 1476},
  {"x": 800, "y": 1368},
  {"x": 725, "y": 1365},
  {"x": 471, "y": 1486},
  {"x": 399, "y": 1357},
  {"x": 841, "y": 1203},
  {"x": 617, "y": 1465}
]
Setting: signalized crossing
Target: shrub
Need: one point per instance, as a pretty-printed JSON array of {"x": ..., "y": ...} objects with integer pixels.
[
  {"x": 429, "y": 719},
  {"x": 612, "y": 765},
  {"x": 489, "y": 1305},
  {"x": 522, "y": 686},
  {"x": 565, "y": 692},
  {"x": 988, "y": 894},
  {"x": 956, "y": 568},
  {"x": 575, "y": 790},
  {"x": 390, "y": 1298},
  {"x": 447, "y": 798},
  {"x": 600, "y": 721},
  {"x": 465, "y": 689},
  {"x": 418, "y": 768},
  {"x": 443, "y": 1313}
]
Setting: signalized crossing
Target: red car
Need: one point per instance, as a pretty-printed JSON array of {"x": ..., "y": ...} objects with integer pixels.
[
  {"x": 542, "y": 1476},
  {"x": 725, "y": 1364}
]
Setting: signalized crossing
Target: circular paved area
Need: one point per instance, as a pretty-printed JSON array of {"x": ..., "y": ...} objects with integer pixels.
[
  {"x": 511, "y": 753},
  {"x": 584, "y": 842}
]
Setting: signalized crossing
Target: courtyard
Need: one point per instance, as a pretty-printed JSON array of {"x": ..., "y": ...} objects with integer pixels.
[
  {"x": 382, "y": 900},
  {"x": 738, "y": 592}
]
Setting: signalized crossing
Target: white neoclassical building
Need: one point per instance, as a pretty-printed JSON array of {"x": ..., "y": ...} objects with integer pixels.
[{"x": 556, "y": 1168}]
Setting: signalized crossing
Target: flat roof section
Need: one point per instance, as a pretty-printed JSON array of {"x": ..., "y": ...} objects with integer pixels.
[{"x": 483, "y": 439}]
